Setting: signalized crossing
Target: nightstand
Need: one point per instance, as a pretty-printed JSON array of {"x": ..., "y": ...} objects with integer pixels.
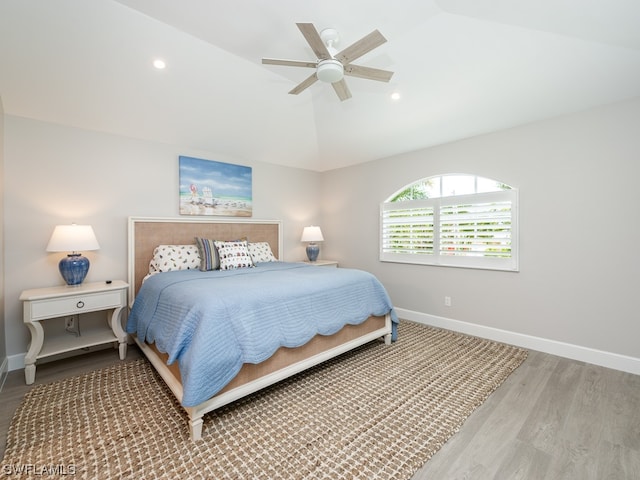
[
  {"x": 323, "y": 263},
  {"x": 41, "y": 304}
]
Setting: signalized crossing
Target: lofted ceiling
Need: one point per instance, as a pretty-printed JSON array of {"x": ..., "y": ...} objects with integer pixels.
[{"x": 462, "y": 68}]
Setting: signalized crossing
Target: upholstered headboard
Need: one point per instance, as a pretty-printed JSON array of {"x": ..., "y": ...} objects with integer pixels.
[{"x": 146, "y": 233}]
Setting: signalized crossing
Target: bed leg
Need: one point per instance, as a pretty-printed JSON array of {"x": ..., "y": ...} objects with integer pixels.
[
  {"x": 387, "y": 339},
  {"x": 196, "y": 428}
]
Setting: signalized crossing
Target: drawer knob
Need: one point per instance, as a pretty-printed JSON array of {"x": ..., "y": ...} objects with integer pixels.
[{"x": 80, "y": 304}]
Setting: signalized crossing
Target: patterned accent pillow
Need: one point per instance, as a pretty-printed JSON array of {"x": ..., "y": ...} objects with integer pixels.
[
  {"x": 261, "y": 252},
  {"x": 153, "y": 265},
  {"x": 233, "y": 255},
  {"x": 209, "y": 259},
  {"x": 175, "y": 257}
]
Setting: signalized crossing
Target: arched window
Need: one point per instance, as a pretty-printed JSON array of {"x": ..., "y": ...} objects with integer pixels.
[{"x": 453, "y": 220}]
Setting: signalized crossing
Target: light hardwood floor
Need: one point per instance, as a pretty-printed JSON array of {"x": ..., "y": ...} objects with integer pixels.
[{"x": 553, "y": 418}]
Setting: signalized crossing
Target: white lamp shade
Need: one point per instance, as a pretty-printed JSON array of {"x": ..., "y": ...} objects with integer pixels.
[
  {"x": 312, "y": 234},
  {"x": 72, "y": 238}
]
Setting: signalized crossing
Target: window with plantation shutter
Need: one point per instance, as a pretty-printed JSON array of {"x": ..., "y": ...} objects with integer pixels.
[
  {"x": 429, "y": 222},
  {"x": 408, "y": 230}
]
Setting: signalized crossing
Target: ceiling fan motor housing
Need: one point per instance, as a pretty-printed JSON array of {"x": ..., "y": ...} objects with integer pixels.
[{"x": 330, "y": 70}]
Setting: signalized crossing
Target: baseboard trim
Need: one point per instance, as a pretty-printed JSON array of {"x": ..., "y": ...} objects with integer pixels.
[
  {"x": 16, "y": 362},
  {"x": 575, "y": 352}
]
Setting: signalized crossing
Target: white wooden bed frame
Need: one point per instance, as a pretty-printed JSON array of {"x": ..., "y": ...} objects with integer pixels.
[{"x": 145, "y": 233}]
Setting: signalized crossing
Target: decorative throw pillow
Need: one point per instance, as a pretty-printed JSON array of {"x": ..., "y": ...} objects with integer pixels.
[
  {"x": 153, "y": 265},
  {"x": 175, "y": 257},
  {"x": 261, "y": 252},
  {"x": 233, "y": 255},
  {"x": 209, "y": 259}
]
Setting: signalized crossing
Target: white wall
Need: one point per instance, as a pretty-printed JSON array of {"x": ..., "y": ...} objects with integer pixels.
[
  {"x": 56, "y": 175},
  {"x": 578, "y": 178}
]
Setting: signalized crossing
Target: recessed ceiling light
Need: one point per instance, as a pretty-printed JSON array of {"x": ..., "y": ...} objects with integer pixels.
[
  {"x": 159, "y": 64},
  {"x": 395, "y": 96}
]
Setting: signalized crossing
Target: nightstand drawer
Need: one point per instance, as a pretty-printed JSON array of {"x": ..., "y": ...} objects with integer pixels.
[{"x": 59, "y": 307}]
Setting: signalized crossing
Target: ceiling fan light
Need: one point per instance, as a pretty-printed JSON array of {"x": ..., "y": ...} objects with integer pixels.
[{"x": 330, "y": 71}]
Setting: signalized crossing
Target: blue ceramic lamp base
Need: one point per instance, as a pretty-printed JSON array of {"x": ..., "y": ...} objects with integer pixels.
[
  {"x": 312, "y": 252},
  {"x": 74, "y": 268}
]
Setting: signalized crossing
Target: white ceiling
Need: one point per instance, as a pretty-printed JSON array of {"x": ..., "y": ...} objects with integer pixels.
[{"x": 463, "y": 67}]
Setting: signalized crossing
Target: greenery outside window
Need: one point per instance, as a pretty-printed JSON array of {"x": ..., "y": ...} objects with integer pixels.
[{"x": 453, "y": 220}]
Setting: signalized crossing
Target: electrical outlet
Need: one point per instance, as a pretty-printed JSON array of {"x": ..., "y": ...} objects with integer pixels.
[
  {"x": 72, "y": 325},
  {"x": 447, "y": 301}
]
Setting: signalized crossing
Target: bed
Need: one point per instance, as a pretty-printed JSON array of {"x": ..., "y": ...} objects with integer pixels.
[{"x": 175, "y": 348}]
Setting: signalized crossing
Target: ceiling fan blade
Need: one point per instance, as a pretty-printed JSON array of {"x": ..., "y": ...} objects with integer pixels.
[
  {"x": 362, "y": 46},
  {"x": 342, "y": 90},
  {"x": 289, "y": 63},
  {"x": 368, "y": 73},
  {"x": 313, "y": 39},
  {"x": 306, "y": 83}
]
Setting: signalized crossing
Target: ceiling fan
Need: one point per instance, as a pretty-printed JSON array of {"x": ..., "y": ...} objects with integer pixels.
[{"x": 331, "y": 66}]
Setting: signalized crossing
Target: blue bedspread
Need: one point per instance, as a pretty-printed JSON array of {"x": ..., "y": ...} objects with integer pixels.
[{"x": 213, "y": 322}]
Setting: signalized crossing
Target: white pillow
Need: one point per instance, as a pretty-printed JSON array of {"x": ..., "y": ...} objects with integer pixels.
[
  {"x": 233, "y": 255},
  {"x": 174, "y": 257},
  {"x": 261, "y": 252}
]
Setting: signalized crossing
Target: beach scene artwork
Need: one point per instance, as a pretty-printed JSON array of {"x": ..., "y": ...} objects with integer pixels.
[{"x": 208, "y": 187}]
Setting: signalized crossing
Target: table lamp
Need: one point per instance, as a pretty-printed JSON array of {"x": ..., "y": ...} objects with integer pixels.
[
  {"x": 73, "y": 238},
  {"x": 312, "y": 234}
]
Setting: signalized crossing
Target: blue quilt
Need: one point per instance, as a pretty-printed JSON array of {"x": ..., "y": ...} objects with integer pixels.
[{"x": 213, "y": 322}]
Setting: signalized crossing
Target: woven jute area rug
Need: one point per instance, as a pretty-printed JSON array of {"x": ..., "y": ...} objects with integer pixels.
[{"x": 379, "y": 412}]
